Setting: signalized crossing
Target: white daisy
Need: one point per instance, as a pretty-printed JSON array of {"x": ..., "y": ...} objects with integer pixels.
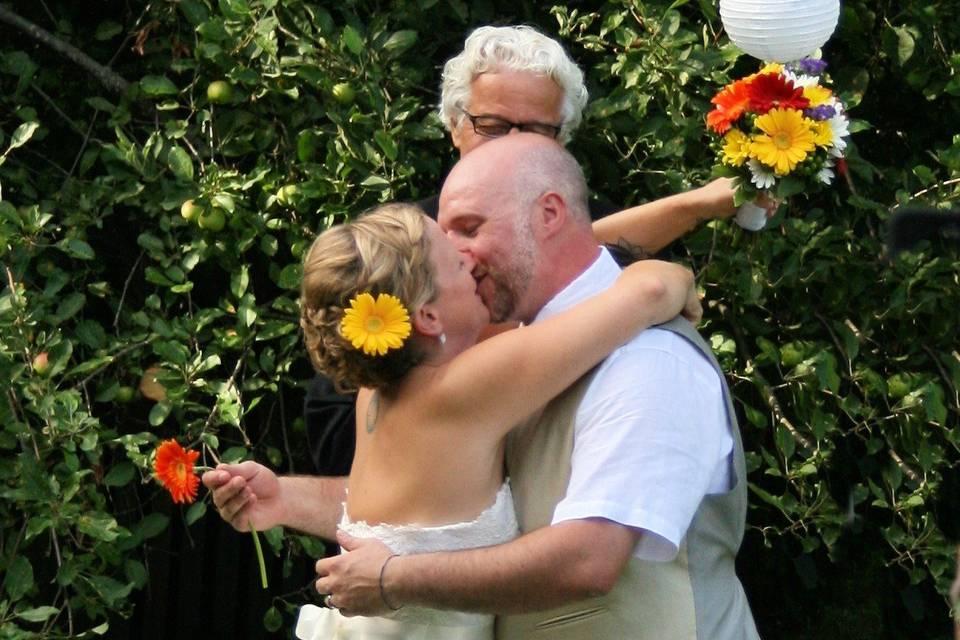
[
  {"x": 825, "y": 175},
  {"x": 760, "y": 175},
  {"x": 800, "y": 80},
  {"x": 840, "y": 126}
]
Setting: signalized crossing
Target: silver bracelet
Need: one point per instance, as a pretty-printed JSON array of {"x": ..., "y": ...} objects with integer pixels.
[{"x": 383, "y": 593}]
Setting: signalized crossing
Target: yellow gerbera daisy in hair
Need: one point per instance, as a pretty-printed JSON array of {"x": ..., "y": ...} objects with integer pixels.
[
  {"x": 375, "y": 326},
  {"x": 787, "y": 142},
  {"x": 817, "y": 95},
  {"x": 736, "y": 148}
]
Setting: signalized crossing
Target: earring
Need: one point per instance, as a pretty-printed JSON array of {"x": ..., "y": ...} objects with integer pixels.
[{"x": 443, "y": 339}]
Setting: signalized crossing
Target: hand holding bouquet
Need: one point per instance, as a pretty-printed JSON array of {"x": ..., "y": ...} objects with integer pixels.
[{"x": 779, "y": 131}]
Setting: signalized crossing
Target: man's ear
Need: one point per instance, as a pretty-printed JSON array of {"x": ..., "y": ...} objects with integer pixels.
[
  {"x": 552, "y": 212},
  {"x": 427, "y": 321},
  {"x": 456, "y": 132}
]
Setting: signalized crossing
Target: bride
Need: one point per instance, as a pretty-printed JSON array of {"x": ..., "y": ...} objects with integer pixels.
[{"x": 390, "y": 306}]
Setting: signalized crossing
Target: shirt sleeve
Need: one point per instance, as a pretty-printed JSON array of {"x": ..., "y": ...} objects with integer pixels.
[{"x": 651, "y": 440}]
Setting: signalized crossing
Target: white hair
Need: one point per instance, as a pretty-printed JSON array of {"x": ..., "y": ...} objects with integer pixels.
[{"x": 522, "y": 48}]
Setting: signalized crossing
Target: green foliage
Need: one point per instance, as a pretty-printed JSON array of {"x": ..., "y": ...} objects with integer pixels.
[{"x": 845, "y": 366}]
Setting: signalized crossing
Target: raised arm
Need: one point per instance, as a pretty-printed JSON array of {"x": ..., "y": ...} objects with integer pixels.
[
  {"x": 652, "y": 226},
  {"x": 502, "y": 380}
]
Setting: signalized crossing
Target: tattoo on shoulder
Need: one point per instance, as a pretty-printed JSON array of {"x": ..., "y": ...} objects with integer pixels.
[
  {"x": 373, "y": 409},
  {"x": 627, "y": 252}
]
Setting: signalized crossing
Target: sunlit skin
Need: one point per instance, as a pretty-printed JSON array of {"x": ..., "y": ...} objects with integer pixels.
[
  {"x": 506, "y": 243},
  {"x": 517, "y": 96},
  {"x": 458, "y": 303}
]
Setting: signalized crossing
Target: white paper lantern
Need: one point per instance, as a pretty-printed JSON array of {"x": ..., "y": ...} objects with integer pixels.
[{"x": 779, "y": 30}]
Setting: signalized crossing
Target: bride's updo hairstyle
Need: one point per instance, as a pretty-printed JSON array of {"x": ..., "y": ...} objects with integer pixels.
[{"x": 385, "y": 250}]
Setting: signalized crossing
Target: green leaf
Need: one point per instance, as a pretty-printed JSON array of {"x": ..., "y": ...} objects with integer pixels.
[
  {"x": 107, "y": 29},
  {"x": 120, "y": 475},
  {"x": 158, "y": 86},
  {"x": 68, "y": 307},
  {"x": 136, "y": 573},
  {"x": 37, "y": 614},
  {"x": 375, "y": 183},
  {"x": 272, "y": 620},
  {"x": 195, "y": 11},
  {"x": 152, "y": 525},
  {"x": 386, "y": 142},
  {"x": 101, "y": 526},
  {"x": 239, "y": 281},
  {"x": 400, "y": 41},
  {"x": 77, "y": 248},
  {"x": 905, "y": 45},
  {"x": 785, "y": 442},
  {"x": 290, "y": 276},
  {"x": 19, "y": 577},
  {"x": 112, "y": 591},
  {"x": 195, "y": 512},
  {"x": 179, "y": 162},
  {"x": 353, "y": 40},
  {"x": 158, "y": 413},
  {"x": 22, "y": 134}
]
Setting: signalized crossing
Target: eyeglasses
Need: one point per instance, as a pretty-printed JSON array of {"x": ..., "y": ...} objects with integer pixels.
[{"x": 494, "y": 127}]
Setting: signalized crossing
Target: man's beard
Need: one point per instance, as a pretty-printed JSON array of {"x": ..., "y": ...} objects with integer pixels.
[{"x": 510, "y": 285}]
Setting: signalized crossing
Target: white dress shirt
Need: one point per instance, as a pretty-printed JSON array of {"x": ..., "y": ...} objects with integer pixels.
[{"x": 650, "y": 437}]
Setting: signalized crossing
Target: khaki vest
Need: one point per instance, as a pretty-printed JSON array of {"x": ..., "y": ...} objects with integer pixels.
[{"x": 697, "y": 596}]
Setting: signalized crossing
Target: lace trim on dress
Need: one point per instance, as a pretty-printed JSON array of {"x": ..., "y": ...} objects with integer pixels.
[{"x": 494, "y": 525}]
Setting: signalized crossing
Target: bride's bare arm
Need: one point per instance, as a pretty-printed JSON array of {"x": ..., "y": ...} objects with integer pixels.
[{"x": 500, "y": 381}]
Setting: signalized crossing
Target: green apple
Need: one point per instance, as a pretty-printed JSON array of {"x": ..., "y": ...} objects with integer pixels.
[
  {"x": 41, "y": 363},
  {"x": 219, "y": 92},
  {"x": 343, "y": 93},
  {"x": 46, "y": 267},
  {"x": 288, "y": 194},
  {"x": 190, "y": 210},
  {"x": 212, "y": 220},
  {"x": 124, "y": 394}
]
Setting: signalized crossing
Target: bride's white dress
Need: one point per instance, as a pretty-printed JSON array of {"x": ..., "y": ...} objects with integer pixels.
[{"x": 497, "y": 524}]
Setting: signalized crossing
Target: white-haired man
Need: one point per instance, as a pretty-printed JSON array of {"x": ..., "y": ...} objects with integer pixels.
[{"x": 506, "y": 80}]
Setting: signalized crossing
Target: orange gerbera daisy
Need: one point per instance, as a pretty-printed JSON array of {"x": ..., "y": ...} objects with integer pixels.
[
  {"x": 731, "y": 103},
  {"x": 773, "y": 91},
  {"x": 174, "y": 468}
]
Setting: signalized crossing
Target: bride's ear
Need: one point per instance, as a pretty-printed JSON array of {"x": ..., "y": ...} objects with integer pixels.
[{"x": 426, "y": 321}]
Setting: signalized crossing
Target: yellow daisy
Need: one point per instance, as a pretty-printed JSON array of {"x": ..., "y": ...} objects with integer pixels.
[
  {"x": 817, "y": 95},
  {"x": 787, "y": 142},
  {"x": 770, "y": 67},
  {"x": 736, "y": 148},
  {"x": 822, "y": 133},
  {"x": 376, "y": 326}
]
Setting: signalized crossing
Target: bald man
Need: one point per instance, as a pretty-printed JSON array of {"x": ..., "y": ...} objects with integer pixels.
[{"x": 630, "y": 488}]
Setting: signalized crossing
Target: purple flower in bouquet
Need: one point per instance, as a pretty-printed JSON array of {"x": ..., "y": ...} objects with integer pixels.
[
  {"x": 808, "y": 66},
  {"x": 820, "y": 112}
]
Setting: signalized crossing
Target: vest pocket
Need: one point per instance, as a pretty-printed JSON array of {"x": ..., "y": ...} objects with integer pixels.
[{"x": 572, "y": 618}]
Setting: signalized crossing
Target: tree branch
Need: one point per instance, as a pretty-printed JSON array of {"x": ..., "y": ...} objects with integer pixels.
[{"x": 108, "y": 78}]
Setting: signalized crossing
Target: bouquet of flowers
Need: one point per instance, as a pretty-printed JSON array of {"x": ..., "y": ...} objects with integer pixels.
[{"x": 779, "y": 131}]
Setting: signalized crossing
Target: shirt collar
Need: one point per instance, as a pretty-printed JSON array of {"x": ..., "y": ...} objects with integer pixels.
[{"x": 598, "y": 276}]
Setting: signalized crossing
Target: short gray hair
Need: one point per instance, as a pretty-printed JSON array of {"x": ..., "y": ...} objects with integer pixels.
[
  {"x": 547, "y": 168},
  {"x": 521, "y": 48}
]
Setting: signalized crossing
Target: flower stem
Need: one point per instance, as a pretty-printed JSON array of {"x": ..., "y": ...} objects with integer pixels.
[{"x": 256, "y": 545}]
